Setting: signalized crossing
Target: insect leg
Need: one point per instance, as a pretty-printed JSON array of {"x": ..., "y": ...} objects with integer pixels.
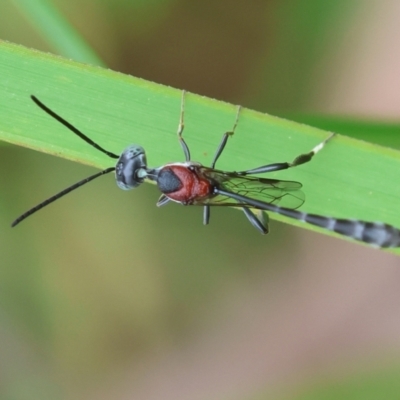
[
  {"x": 181, "y": 126},
  {"x": 206, "y": 214},
  {"x": 301, "y": 159},
  {"x": 162, "y": 201},
  {"x": 221, "y": 146},
  {"x": 220, "y": 149},
  {"x": 260, "y": 223}
]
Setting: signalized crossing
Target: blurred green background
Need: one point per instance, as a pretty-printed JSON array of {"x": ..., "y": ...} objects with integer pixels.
[{"x": 104, "y": 296}]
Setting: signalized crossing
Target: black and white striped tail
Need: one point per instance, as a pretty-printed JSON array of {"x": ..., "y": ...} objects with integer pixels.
[{"x": 377, "y": 234}]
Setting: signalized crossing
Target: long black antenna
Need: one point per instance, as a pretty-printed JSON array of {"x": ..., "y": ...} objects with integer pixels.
[
  {"x": 61, "y": 194},
  {"x": 72, "y": 128},
  {"x": 75, "y": 185}
]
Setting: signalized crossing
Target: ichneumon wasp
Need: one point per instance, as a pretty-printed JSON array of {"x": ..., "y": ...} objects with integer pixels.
[{"x": 191, "y": 183}]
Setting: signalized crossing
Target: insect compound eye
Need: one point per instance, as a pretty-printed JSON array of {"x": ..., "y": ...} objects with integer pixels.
[{"x": 129, "y": 163}]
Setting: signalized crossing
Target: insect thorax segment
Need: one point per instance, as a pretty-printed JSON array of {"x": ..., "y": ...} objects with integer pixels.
[
  {"x": 183, "y": 182},
  {"x": 129, "y": 167},
  {"x": 168, "y": 181}
]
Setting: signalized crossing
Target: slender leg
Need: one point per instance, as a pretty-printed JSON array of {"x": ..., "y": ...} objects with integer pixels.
[
  {"x": 181, "y": 126},
  {"x": 220, "y": 149},
  {"x": 206, "y": 214},
  {"x": 162, "y": 201},
  {"x": 260, "y": 223},
  {"x": 221, "y": 146},
  {"x": 301, "y": 159}
]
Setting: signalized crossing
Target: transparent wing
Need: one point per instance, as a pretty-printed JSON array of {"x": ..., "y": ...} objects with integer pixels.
[{"x": 278, "y": 192}]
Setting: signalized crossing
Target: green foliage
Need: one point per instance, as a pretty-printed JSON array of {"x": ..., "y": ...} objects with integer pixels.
[
  {"x": 57, "y": 30},
  {"x": 361, "y": 385},
  {"x": 349, "y": 179},
  {"x": 382, "y": 133}
]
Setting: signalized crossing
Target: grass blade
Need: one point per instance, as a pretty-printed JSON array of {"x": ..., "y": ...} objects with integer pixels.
[
  {"x": 382, "y": 133},
  {"x": 57, "y": 31},
  {"x": 348, "y": 179}
]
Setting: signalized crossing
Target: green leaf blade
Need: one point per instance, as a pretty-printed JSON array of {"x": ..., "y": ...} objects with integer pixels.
[
  {"x": 348, "y": 179},
  {"x": 57, "y": 31}
]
